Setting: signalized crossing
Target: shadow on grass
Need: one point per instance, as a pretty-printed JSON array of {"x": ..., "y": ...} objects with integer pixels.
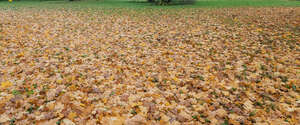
[
  {"x": 136, "y": 2},
  {"x": 145, "y": 3}
]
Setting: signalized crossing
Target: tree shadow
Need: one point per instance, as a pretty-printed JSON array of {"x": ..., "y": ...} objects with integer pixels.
[
  {"x": 175, "y": 3},
  {"x": 135, "y": 1}
]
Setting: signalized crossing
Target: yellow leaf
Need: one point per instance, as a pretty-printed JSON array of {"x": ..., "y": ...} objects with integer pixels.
[
  {"x": 81, "y": 80},
  {"x": 235, "y": 19},
  {"x": 134, "y": 104},
  {"x": 207, "y": 67},
  {"x": 281, "y": 99},
  {"x": 111, "y": 78},
  {"x": 32, "y": 64},
  {"x": 71, "y": 78},
  {"x": 59, "y": 81},
  {"x": 212, "y": 78},
  {"x": 167, "y": 104},
  {"x": 81, "y": 104},
  {"x": 21, "y": 54},
  {"x": 175, "y": 79},
  {"x": 104, "y": 100},
  {"x": 72, "y": 115},
  {"x": 73, "y": 87},
  {"x": 258, "y": 29},
  {"x": 151, "y": 85},
  {"x": 136, "y": 74},
  {"x": 155, "y": 95},
  {"x": 6, "y": 84},
  {"x": 143, "y": 44},
  {"x": 140, "y": 103},
  {"x": 172, "y": 86}
]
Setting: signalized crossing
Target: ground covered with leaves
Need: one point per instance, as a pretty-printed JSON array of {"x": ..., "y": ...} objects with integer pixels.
[{"x": 133, "y": 67}]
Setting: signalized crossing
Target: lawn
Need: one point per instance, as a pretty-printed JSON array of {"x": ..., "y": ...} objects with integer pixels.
[
  {"x": 132, "y": 63},
  {"x": 142, "y": 4}
]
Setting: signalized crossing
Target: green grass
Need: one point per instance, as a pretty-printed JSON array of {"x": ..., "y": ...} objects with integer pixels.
[
  {"x": 142, "y": 4},
  {"x": 242, "y": 3}
]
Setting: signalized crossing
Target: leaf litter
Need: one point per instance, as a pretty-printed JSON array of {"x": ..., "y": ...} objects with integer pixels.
[{"x": 190, "y": 66}]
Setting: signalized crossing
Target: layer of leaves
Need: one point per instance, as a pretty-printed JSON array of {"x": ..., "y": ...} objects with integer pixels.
[{"x": 221, "y": 66}]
